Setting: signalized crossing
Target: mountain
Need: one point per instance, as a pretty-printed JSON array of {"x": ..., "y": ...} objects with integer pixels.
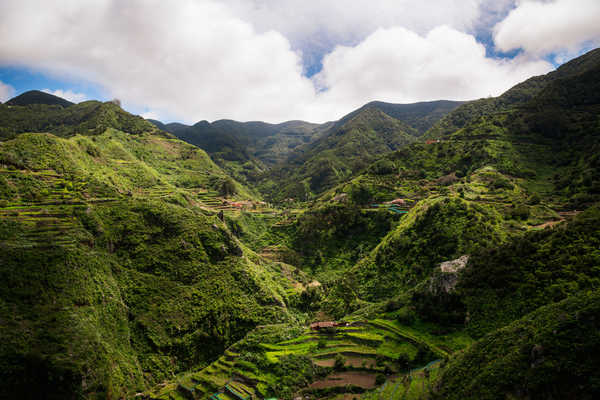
[
  {"x": 346, "y": 148},
  {"x": 518, "y": 95},
  {"x": 246, "y": 149},
  {"x": 266, "y": 142},
  {"x": 115, "y": 270},
  {"x": 88, "y": 117},
  {"x": 349, "y": 145},
  {"x": 158, "y": 124},
  {"x": 550, "y": 353},
  {"x": 448, "y": 259},
  {"x": 38, "y": 97},
  {"x": 510, "y": 170},
  {"x": 419, "y": 116}
]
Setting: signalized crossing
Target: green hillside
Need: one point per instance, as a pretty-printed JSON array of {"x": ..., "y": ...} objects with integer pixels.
[
  {"x": 346, "y": 149},
  {"x": 497, "y": 178},
  {"x": 86, "y": 118},
  {"x": 246, "y": 149},
  {"x": 116, "y": 271},
  {"x": 550, "y": 353},
  {"x": 518, "y": 95},
  {"x": 423, "y": 251},
  {"x": 419, "y": 116},
  {"x": 504, "y": 282}
]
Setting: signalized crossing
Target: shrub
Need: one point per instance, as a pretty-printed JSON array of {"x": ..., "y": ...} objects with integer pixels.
[
  {"x": 534, "y": 199},
  {"x": 228, "y": 187},
  {"x": 360, "y": 194},
  {"x": 339, "y": 363},
  {"x": 322, "y": 343},
  {"x": 520, "y": 211},
  {"x": 405, "y": 316},
  {"x": 383, "y": 167}
]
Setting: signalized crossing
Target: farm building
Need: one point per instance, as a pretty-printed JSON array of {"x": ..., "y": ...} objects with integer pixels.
[
  {"x": 315, "y": 326},
  {"x": 399, "y": 202}
]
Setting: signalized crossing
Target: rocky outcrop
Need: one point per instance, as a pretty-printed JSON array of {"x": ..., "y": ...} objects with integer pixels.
[{"x": 445, "y": 277}]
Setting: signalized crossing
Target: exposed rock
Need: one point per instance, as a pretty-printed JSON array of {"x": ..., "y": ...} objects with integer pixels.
[
  {"x": 446, "y": 277},
  {"x": 454, "y": 266},
  {"x": 341, "y": 197}
]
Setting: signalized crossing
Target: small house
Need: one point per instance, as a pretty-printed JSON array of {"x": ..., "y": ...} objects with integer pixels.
[
  {"x": 398, "y": 202},
  {"x": 315, "y": 326}
]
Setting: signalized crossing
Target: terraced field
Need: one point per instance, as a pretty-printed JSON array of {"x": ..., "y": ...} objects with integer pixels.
[
  {"x": 44, "y": 203},
  {"x": 352, "y": 358},
  {"x": 413, "y": 385}
]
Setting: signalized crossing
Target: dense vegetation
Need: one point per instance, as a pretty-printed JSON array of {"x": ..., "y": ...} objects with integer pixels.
[
  {"x": 134, "y": 264},
  {"x": 349, "y": 147},
  {"x": 116, "y": 273},
  {"x": 550, "y": 353},
  {"x": 505, "y": 282},
  {"x": 419, "y": 116},
  {"x": 246, "y": 149},
  {"x": 87, "y": 118}
]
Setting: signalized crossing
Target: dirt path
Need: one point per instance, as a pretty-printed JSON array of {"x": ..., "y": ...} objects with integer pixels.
[
  {"x": 563, "y": 216},
  {"x": 547, "y": 224}
]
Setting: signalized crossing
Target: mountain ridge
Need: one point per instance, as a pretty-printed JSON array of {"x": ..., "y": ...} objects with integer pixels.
[{"x": 134, "y": 264}]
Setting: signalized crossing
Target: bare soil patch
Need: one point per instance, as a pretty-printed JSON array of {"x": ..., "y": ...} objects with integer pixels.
[
  {"x": 356, "y": 362},
  {"x": 547, "y": 224},
  {"x": 365, "y": 380}
]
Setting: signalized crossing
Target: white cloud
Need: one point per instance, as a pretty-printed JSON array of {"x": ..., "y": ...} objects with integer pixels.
[
  {"x": 6, "y": 92},
  {"x": 193, "y": 61},
  {"x": 345, "y": 22},
  {"x": 397, "y": 65},
  {"x": 151, "y": 115},
  {"x": 316, "y": 27},
  {"x": 73, "y": 97},
  {"x": 542, "y": 27},
  {"x": 204, "y": 60}
]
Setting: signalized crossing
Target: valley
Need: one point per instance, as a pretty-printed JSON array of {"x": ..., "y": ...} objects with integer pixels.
[{"x": 436, "y": 250}]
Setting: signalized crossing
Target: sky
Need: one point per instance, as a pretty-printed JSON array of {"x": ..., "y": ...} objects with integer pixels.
[{"x": 278, "y": 60}]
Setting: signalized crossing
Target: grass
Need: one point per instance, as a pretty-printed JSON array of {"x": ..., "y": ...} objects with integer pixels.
[
  {"x": 412, "y": 335},
  {"x": 378, "y": 343},
  {"x": 415, "y": 385}
]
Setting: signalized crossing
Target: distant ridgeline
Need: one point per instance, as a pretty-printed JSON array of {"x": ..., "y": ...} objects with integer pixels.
[
  {"x": 307, "y": 158},
  {"x": 444, "y": 250}
]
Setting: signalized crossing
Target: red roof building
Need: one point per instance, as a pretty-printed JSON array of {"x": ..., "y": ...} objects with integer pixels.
[{"x": 323, "y": 324}]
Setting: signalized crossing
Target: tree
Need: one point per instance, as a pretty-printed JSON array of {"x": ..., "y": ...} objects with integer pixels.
[
  {"x": 360, "y": 194},
  {"x": 340, "y": 361},
  {"x": 322, "y": 343},
  {"x": 228, "y": 187}
]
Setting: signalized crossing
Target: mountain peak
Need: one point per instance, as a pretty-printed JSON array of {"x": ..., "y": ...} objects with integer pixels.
[
  {"x": 38, "y": 97},
  {"x": 420, "y": 116}
]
